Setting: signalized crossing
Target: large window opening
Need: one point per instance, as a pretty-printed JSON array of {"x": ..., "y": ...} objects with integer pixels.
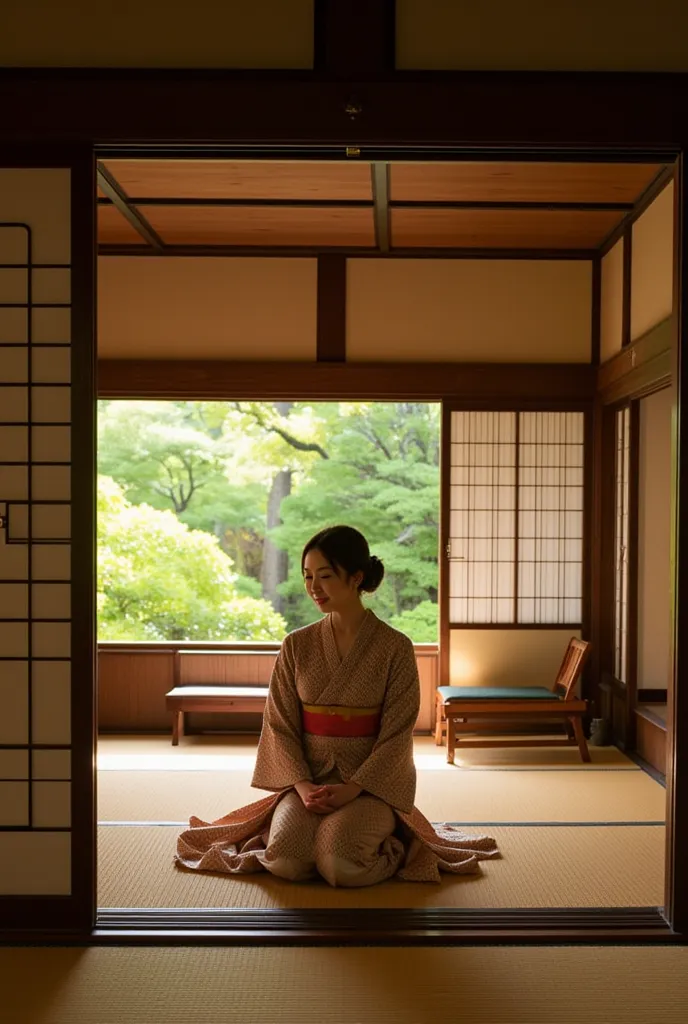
[{"x": 204, "y": 508}]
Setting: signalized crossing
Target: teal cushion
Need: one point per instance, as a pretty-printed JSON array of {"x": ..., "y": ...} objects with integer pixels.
[{"x": 453, "y": 693}]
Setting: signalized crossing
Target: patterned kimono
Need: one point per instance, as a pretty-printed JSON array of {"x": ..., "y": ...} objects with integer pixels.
[{"x": 378, "y": 671}]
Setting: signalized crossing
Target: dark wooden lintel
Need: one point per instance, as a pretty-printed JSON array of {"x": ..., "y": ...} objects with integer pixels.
[
  {"x": 405, "y": 115},
  {"x": 493, "y": 384}
]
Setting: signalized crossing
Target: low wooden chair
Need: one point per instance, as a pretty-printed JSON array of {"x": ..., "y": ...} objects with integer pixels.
[{"x": 462, "y": 709}]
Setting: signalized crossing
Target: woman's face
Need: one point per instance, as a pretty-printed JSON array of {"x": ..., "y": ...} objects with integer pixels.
[{"x": 331, "y": 590}]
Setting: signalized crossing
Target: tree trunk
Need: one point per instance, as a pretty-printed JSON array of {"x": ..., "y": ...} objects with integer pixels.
[
  {"x": 275, "y": 567},
  {"x": 275, "y": 562},
  {"x": 221, "y": 533}
]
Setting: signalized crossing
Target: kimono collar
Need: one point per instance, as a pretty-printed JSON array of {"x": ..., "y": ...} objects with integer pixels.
[{"x": 331, "y": 651}]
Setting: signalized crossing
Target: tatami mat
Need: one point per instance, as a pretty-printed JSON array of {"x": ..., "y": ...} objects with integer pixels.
[
  {"x": 598, "y": 985},
  {"x": 212, "y": 752},
  {"x": 541, "y": 866},
  {"x": 442, "y": 796}
]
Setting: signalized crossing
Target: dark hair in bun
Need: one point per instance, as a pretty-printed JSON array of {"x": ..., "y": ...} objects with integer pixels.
[
  {"x": 346, "y": 548},
  {"x": 374, "y": 576}
]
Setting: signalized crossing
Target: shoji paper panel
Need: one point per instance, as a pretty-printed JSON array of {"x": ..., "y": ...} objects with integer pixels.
[
  {"x": 516, "y": 517},
  {"x": 35, "y": 532}
]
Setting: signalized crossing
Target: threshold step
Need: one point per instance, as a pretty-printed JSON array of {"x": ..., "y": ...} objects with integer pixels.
[{"x": 655, "y": 713}]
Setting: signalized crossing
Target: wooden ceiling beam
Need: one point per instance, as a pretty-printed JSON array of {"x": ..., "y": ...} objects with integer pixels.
[
  {"x": 379, "y": 171},
  {"x": 313, "y": 204},
  {"x": 380, "y": 185},
  {"x": 352, "y": 252},
  {"x": 496, "y": 204},
  {"x": 109, "y": 186}
]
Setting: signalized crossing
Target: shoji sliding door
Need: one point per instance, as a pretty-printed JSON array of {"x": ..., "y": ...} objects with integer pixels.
[{"x": 46, "y": 540}]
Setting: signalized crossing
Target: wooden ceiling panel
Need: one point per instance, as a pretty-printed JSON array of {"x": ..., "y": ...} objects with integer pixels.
[
  {"x": 223, "y": 179},
  {"x": 501, "y": 229},
  {"x": 114, "y": 229},
  {"x": 521, "y": 182},
  {"x": 262, "y": 226}
]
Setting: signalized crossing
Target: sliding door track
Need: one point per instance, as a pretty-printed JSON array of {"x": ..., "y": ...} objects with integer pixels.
[{"x": 379, "y": 927}]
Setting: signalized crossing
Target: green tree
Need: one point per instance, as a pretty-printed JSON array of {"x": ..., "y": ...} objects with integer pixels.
[
  {"x": 420, "y": 623},
  {"x": 157, "y": 451},
  {"x": 381, "y": 476},
  {"x": 176, "y": 455},
  {"x": 159, "y": 580}
]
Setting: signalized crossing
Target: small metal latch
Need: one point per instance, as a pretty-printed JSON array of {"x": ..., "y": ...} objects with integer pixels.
[
  {"x": 352, "y": 151},
  {"x": 353, "y": 108}
]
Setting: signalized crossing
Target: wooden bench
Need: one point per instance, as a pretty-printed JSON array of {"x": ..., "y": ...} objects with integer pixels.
[
  {"x": 459, "y": 709},
  {"x": 237, "y": 699},
  {"x": 213, "y": 695}
]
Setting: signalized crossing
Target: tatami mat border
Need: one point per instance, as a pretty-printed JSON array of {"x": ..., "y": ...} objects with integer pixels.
[{"x": 453, "y": 824}]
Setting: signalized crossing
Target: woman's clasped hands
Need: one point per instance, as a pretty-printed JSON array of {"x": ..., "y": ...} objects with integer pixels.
[{"x": 326, "y": 798}]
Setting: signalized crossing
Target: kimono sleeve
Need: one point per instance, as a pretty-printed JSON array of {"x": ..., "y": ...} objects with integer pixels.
[
  {"x": 280, "y": 760},
  {"x": 389, "y": 772}
]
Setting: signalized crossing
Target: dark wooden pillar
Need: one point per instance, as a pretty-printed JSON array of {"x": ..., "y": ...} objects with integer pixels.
[
  {"x": 676, "y": 904},
  {"x": 331, "y": 315}
]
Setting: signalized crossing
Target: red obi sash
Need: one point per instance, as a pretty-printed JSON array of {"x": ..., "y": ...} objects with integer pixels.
[{"x": 334, "y": 720}]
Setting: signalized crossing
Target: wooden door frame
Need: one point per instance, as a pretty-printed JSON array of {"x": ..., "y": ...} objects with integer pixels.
[
  {"x": 307, "y": 115},
  {"x": 609, "y": 683},
  {"x": 638, "y": 370}
]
